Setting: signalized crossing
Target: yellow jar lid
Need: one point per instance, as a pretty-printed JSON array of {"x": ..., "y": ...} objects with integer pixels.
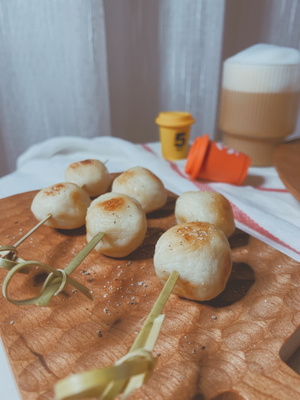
[{"x": 174, "y": 119}]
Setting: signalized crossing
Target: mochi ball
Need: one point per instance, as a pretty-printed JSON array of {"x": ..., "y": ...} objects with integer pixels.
[
  {"x": 66, "y": 202},
  {"x": 91, "y": 175},
  {"x": 205, "y": 206},
  {"x": 123, "y": 221},
  {"x": 200, "y": 253},
  {"x": 144, "y": 186}
]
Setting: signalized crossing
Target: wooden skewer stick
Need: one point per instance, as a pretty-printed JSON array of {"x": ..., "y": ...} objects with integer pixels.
[
  {"x": 128, "y": 373},
  {"x": 53, "y": 284},
  {"x": 32, "y": 230},
  {"x": 56, "y": 280},
  {"x": 10, "y": 257}
]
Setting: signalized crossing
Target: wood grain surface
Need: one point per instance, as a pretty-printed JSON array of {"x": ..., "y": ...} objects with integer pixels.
[
  {"x": 287, "y": 164},
  {"x": 228, "y": 348}
]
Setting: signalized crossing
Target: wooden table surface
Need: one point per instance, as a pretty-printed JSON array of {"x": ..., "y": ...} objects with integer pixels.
[
  {"x": 232, "y": 347},
  {"x": 287, "y": 164}
]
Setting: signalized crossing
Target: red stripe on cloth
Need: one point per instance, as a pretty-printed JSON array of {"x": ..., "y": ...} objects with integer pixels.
[
  {"x": 239, "y": 215},
  {"x": 146, "y": 147},
  {"x": 201, "y": 186},
  {"x": 246, "y": 220},
  {"x": 271, "y": 190}
]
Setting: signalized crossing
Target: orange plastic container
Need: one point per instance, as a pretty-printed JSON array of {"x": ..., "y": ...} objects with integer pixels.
[{"x": 213, "y": 161}]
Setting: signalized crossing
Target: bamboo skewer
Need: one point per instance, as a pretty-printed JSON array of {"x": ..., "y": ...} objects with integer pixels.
[
  {"x": 56, "y": 280},
  {"x": 128, "y": 373},
  {"x": 10, "y": 258}
]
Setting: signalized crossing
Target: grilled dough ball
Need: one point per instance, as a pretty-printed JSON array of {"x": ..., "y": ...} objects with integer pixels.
[
  {"x": 144, "y": 186},
  {"x": 205, "y": 206},
  {"x": 66, "y": 202},
  {"x": 123, "y": 221},
  {"x": 91, "y": 175},
  {"x": 200, "y": 253}
]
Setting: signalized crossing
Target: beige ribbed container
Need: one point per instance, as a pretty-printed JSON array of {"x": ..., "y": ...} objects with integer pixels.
[
  {"x": 259, "y": 104},
  {"x": 260, "y": 151}
]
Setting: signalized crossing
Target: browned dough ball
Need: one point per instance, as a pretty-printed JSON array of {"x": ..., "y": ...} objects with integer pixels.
[
  {"x": 205, "y": 206},
  {"x": 144, "y": 186},
  {"x": 66, "y": 202},
  {"x": 200, "y": 253},
  {"x": 91, "y": 175},
  {"x": 123, "y": 221}
]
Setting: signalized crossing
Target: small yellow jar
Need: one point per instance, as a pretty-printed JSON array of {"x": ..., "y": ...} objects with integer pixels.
[{"x": 174, "y": 133}]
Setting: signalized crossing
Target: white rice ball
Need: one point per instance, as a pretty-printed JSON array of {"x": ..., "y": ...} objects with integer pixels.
[
  {"x": 205, "y": 206},
  {"x": 91, "y": 175},
  {"x": 144, "y": 186},
  {"x": 200, "y": 253},
  {"x": 123, "y": 221},
  {"x": 66, "y": 202}
]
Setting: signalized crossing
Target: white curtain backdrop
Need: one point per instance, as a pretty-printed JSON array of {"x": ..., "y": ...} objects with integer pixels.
[
  {"x": 53, "y": 73},
  {"x": 108, "y": 67}
]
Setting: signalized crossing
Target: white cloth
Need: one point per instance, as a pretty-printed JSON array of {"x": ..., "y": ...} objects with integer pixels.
[{"x": 262, "y": 206}]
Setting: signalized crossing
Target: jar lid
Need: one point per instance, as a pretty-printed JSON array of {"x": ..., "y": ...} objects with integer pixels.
[
  {"x": 196, "y": 156},
  {"x": 174, "y": 119}
]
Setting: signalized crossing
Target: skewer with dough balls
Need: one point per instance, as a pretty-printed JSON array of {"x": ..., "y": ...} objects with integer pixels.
[
  {"x": 205, "y": 206},
  {"x": 123, "y": 221},
  {"x": 200, "y": 253},
  {"x": 62, "y": 206},
  {"x": 66, "y": 202},
  {"x": 91, "y": 175},
  {"x": 144, "y": 186}
]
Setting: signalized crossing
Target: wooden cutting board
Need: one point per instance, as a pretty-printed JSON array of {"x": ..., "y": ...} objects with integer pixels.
[
  {"x": 228, "y": 348},
  {"x": 287, "y": 164}
]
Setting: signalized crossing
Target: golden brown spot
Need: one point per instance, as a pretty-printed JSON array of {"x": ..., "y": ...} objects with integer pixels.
[
  {"x": 187, "y": 287},
  {"x": 114, "y": 204},
  {"x": 86, "y": 162},
  {"x": 76, "y": 165},
  {"x": 75, "y": 196},
  {"x": 182, "y": 286},
  {"x": 54, "y": 189},
  {"x": 195, "y": 231}
]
